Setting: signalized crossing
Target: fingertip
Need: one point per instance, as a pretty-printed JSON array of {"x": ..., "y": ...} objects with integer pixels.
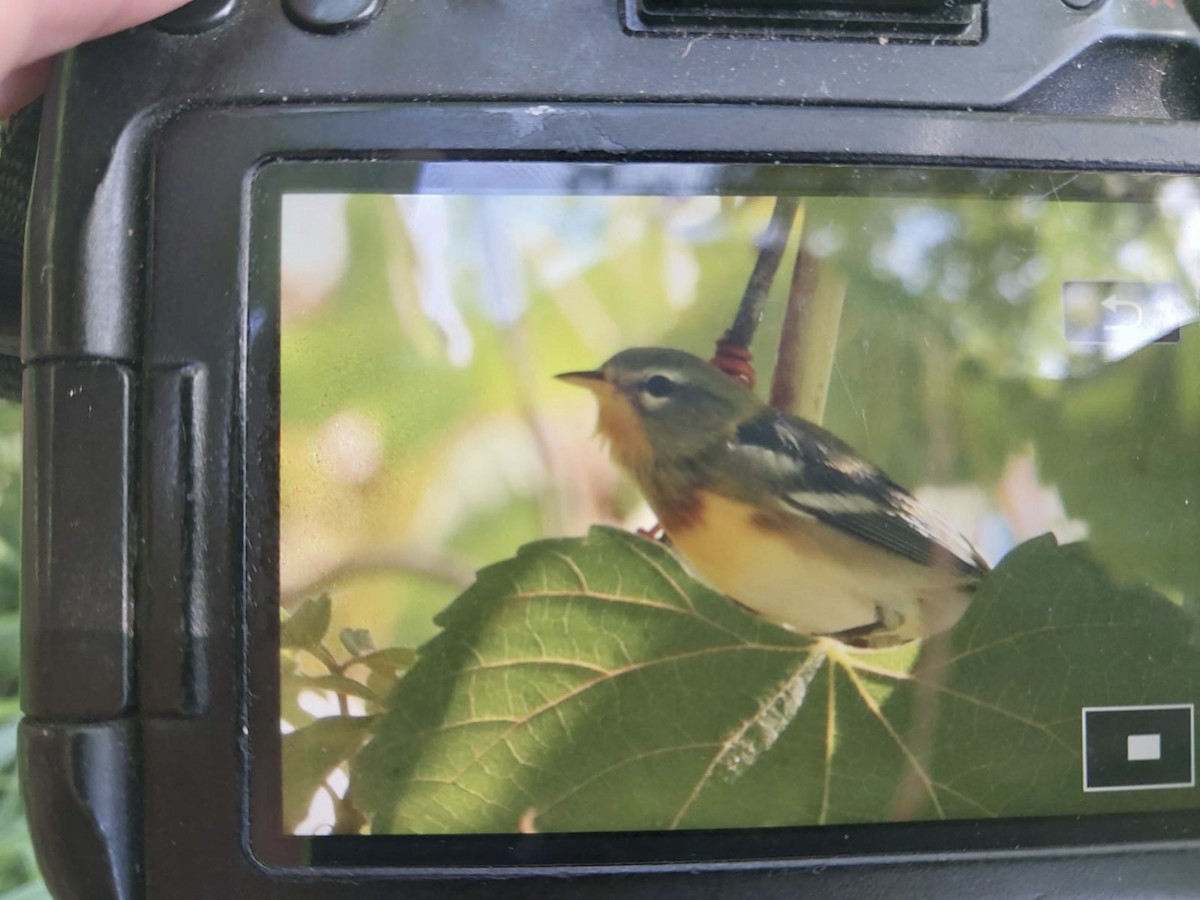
[
  {"x": 22, "y": 86},
  {"x": 42, "y": 28}
]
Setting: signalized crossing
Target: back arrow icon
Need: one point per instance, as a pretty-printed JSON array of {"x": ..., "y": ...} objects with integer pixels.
[{"x": 1113, "y": 305}]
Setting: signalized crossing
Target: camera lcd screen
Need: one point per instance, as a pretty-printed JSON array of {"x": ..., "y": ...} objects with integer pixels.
[{"x": 547, "y": 568}]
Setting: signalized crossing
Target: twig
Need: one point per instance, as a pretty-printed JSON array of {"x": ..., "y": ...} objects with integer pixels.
[
  {"x": 807, "y": 340},
  {"x": 771, "y": 245},
  {"x": 408, "y": 562},
  {"x": 733, "y": 349},
  {"x": 928, "y": 677},
  {"x": 347, "y": 817},
  {"x": 323, "y": 656},
  {"x": 321, "y": 652}
]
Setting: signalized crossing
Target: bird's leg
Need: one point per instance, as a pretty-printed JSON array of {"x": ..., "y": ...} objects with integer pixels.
[
  {"x": 860, "y": 636},
  {"x": 655, "y": 532}
]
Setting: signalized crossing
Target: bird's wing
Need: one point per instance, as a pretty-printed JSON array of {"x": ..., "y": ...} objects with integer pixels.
[{"x": 814, "y": 474}]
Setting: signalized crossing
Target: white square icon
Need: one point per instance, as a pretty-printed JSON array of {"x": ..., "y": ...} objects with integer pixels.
[
  {"x": 1143, "y": 747},
  {"x": 1139, "y": 748}
]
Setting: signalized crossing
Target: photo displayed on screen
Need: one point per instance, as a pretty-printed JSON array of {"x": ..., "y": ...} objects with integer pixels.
[{"x": 653, "y": 497}]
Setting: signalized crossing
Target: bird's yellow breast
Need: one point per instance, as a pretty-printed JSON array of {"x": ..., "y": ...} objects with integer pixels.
[{"x": 807, "y": 576}]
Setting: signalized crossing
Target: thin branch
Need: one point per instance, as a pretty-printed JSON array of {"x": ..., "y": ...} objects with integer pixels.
[
  {"x": 322, "y": 654},
  {"x": 733, "y": 349},
  {"x": 928, "y": 674},
  {"x": 771, "y": 245},
  {"x": 348, "y": 819},
  {"x": 399, "y": 561}
]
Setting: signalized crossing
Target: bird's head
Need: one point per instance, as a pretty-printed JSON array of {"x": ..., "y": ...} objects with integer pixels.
[{"x": 659, "y": 405}]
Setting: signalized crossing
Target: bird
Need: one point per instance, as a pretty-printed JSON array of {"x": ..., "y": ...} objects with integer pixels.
[{"x": 774, "y": 511}]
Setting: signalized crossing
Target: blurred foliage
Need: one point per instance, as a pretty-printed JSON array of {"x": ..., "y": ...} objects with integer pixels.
[
  {"x": 421, "y": 425},
  {"x": 19, "y": 877},
  {"x": 321, "y": 741}
]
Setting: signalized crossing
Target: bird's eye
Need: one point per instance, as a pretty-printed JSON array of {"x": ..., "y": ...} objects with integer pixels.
[{"x": 659, "y": 386}]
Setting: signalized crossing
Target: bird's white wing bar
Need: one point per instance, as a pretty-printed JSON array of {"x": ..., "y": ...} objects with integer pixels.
[{"x": 819, "y": 476}]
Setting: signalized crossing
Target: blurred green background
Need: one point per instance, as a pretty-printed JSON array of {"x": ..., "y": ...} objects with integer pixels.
[
  {"x": 423, "y": 435},
  {"x": 19, "y": 878}
]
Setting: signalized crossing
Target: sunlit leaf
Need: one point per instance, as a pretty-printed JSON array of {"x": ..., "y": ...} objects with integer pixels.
[
  {"x": 311, "y": 753},
  {"x": 339, "y": 684},
  {"x": 10, "y": 651},
  {"x": 389, "y": 660},
  {"x": 592, "y": 684},
  {"x": 357, "y": 641},
  {"x": 8, "y": 741},
  {"x": 32, "y": 890},
  {"x": 382, "y": 683},
  {"x": 308, "y": 624}
]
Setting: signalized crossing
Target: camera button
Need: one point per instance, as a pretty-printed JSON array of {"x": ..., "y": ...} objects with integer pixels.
[
  {"x": 331, "y": 16},
  {"x": 197, "y": 16}
]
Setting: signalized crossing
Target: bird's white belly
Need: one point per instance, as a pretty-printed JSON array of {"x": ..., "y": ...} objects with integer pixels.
[{"x": 812, "y": 579}]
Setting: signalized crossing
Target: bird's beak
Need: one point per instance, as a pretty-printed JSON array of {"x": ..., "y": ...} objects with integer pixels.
[{"x": 591, "y": 380}]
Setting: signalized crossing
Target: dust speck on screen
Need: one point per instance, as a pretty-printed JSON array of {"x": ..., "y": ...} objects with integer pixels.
[{"x": 657, "y": 497}]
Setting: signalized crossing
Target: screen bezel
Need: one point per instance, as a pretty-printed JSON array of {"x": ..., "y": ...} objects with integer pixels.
[
  {"x": 464, "y": 853},
  {"x": 189, "y": 172}
]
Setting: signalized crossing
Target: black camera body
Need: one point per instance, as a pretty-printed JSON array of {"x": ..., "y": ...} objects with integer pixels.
[{"x": 151, "y": 530}]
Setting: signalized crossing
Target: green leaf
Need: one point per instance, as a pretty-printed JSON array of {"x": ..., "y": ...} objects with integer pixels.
[
  {"x": 591, "y": 684},
  {"x": 389, "y": 660},
  {"x": 382, "y": 683},
  {"x": 357, "y": 641},
  {"x": 987, "y": 721},
  {"x": 1133, "y": 419},
  {"x": 306, "y": 627},
  {"x": 310, "y": 754},
  {"x": 8, "y": 741},
  {"x": 10, "y": 650},
  {"x": 339, "y": 684},
  {"x": 550, "y": 672},
  {"x": 33, "y": 890}
]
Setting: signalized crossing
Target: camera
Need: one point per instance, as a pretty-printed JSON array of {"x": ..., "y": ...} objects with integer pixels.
[{"x": 330, "y": 591}]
